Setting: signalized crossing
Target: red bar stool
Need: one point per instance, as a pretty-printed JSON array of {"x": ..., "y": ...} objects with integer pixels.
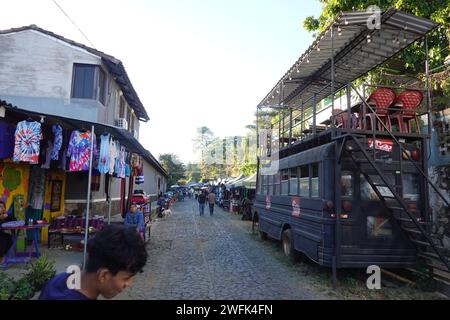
[
  {"x": 409, "y": 101},
  {"x": 381, "y": 99}
]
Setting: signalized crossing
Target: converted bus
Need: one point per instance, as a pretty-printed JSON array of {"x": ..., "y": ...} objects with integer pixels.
[{"x": 350, "y": 186}]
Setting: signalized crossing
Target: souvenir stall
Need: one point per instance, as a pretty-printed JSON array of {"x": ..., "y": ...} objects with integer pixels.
[{"x": 38, "y": 151}]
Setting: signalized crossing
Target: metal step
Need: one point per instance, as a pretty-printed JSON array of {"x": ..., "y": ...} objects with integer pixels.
[
  {"x": 423, "y": 243},
  {"x": 407, "y": 220}
]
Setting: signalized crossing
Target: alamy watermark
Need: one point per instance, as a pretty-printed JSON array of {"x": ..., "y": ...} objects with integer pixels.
[{"x": 74, "y": 280}]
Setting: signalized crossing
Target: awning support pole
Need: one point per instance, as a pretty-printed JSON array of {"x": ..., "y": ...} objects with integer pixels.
[
  {"x": 88, "y": 198},
  {"x": 109, "y": 200}
]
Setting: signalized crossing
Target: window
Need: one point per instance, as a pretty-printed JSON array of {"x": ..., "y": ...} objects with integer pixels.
[
  {"x": 129, "y": 115},
  {"x": 89, "y": 82},
  {"x": 411, "y": 186},
  {"x": 101, "y": 85},
  {"x": 284, "y": 182},
  {"x": 276, "y": 184},
  {"x": 347, "y": 184},
  {"x": 83, "y": 81},
  {"x": 379, "y": 227},
  {"x": 304, "y": 181},
  {"x": 315, "y": 180},
  {"x": 270, "y": 183},
  {"x": 122, "y": 107},
  {"x": 264, "y": 184},
  {"x": 293, "y": 182}
]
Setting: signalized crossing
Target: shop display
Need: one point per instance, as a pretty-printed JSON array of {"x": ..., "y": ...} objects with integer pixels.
[
  {"x": 103, "y": 163},
  {"x": 57, "y": 142},
  {"x": 28, "y": 136},
  {"x": 6, "y": 140},
  {"x": 79, "y": 150}
]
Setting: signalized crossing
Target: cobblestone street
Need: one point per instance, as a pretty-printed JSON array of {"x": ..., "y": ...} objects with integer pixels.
[{"x": 203, "y": 257}]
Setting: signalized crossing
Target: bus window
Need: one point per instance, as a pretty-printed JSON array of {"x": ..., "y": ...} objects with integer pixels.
[
  {"x": 263, "y": 184},
  {"x": 347, "y": 184},
  {"x": 284, "y": 182},
  {"x": 411, "y": 186},
  {"x": 315, "y": 180},
  {"x": 367, "y": 192},
  {"x": 378, "y": 227},
  {"x": 304, "y": 181},
  {"x": 276, "y": 184},
  {"x": 293, "y": 182},
  {"x": 270, "y": 183}
]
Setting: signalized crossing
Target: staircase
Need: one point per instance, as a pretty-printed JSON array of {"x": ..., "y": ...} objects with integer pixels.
[{"x": 408, "y": 218}]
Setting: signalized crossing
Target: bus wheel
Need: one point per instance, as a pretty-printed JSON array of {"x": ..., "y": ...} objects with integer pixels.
[
  {"x": 263, "y": 235},
  {"x": 288, "y": 245}
]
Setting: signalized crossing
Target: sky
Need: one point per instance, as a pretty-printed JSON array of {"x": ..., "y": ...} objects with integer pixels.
[{"x": 193, "y": 63}]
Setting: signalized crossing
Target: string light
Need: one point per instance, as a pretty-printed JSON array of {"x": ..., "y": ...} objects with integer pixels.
[
  {"x": 345, "y": 21},
  {"x": 318, "y": 48},
  {"x": 307, "y": 60},
  {"x": 339, "y": 31},
  {"x": 368, "y": 38}
]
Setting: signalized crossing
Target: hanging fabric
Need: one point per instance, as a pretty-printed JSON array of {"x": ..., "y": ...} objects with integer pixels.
[
  {"x": 113, "y": 154},
  {"x": 47, "y": 155},
  {"x": 95, "y": 180},
  {"x": 37, "y": 187},
  {"x": 103, "y": 163},
  {"x": 57, "y": 142},
  {"x": 79, "y": 150},
  {"x": 120, "y": 163},
  {"x": 107, "y": 191},
  {"x": 6, "y": 140},
  {"x": 28, "y": 136}
]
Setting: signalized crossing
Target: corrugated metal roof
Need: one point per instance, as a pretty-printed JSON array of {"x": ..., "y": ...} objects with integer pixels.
[
  {"x": 357, "y": 50},
  {"x": 114, "y": 66}
]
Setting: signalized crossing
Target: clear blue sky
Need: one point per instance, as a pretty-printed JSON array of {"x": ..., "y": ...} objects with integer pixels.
[{"x": 193, "y": 63}]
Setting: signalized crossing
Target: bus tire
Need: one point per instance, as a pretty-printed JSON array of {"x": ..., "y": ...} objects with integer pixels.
[
  {"x": 288, "y": 245},
  {"x": 263, "y": 235}
]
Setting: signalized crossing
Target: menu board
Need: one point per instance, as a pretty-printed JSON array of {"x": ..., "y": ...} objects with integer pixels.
[{"x": 55, "y": 203}]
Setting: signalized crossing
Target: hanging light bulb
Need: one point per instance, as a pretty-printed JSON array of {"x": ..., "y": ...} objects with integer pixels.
[
  {"x": 298, "y": 71},
  {"x": 318, "y": 48},
  {"x": 339, "y": 31},
  {"x": 368, "y": 38},
  {"x": 290, "y": 78},
  {"x": 345, "y": 21},
  {"x": 307, "y": 60}
]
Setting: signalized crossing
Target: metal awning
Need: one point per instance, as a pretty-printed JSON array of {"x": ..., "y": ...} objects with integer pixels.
[{"x": 356, "y": 50}]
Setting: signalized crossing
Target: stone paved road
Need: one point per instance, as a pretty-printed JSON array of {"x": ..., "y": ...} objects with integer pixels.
[{"x": 193, "y": 257}]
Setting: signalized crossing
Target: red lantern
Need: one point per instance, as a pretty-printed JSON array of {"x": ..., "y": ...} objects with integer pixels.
[{"x": 415, "y": 155}]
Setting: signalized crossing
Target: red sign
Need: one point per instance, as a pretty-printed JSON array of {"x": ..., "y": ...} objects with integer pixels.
[
  {"x": 296, "y": 206},
  {"x": 381, "y": 144},
  {"x": 268, "y": 202}
]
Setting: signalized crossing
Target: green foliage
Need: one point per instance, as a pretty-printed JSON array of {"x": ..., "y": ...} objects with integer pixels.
[
  {"x": 39, "y": 272},
  {"x": 23, "y": 291},
  {"x": 175, "y": 169},
  {"x": 7, "y": 286}
]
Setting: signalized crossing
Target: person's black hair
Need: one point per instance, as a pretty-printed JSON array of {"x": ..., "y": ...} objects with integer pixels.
[
  {"x": 116, "y": 248},
  {"x": 3, "y": 203}
]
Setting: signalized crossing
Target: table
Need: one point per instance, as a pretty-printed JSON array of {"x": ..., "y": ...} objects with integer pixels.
[
  {"x": 68, "y": 232},
  {"x": 13, "y": 257}
]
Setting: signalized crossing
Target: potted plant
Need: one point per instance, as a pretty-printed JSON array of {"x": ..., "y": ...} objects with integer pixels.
[{"x": 39, "y": 272}]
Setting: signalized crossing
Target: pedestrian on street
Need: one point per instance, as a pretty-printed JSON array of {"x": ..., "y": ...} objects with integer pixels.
[
  {"x": 211, "y": 201},
  {"x": 115, "y": 255},
  {"x": 135, "y": 219},
  {"x": 201, "y": 202}
]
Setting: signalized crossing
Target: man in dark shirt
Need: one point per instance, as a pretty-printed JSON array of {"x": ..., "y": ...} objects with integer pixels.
[
  {"x": 201, "y": 202},
  {"x": 5, "y": 239},
  {"x": 115, "y": 255}
]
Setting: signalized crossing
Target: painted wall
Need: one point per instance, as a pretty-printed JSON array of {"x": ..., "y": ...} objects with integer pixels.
[{"x": 13, "y": 182}]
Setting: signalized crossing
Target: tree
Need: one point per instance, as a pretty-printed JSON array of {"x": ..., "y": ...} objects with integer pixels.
[{"x": 173, "y": 166}]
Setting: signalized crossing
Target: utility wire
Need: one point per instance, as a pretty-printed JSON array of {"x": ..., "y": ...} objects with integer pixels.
[{"x": 73, "y": 22}]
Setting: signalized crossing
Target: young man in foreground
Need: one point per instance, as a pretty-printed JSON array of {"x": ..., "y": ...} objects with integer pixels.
[{"x": 115, "y": 255}]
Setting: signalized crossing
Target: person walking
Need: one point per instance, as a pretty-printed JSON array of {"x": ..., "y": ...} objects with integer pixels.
[
  {"x": 211, "y": 201},
  {"x": 201, "y": 202}
]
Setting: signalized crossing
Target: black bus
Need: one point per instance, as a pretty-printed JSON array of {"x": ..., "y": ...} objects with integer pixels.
[{"x": 350, "y": 188}]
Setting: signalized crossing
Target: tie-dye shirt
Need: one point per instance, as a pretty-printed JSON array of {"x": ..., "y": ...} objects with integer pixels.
[
  {"x": 79, "y": 150},
  {"x": 57, "y": 144},
  {"x": 28, "y": 138}
]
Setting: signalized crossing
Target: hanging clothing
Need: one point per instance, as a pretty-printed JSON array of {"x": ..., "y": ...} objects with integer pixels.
[
  {"x": 113, "y": 154},
  {"x": 79, "y": 150},
  {"x": 120, "y": 163},
  {"x": 37, "y": 187},
  {"x": 57, "y": 142},
  {"x": 139, "y": 180},
  {"x": 95, "y": 180},
  {"x": 103, "y": 163},
  {"x": 47, "y": 155},
  {"x": 6, "y": 140},
  {"x": 127, "y": 170},
  {"x": 28, "y": 136}
]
